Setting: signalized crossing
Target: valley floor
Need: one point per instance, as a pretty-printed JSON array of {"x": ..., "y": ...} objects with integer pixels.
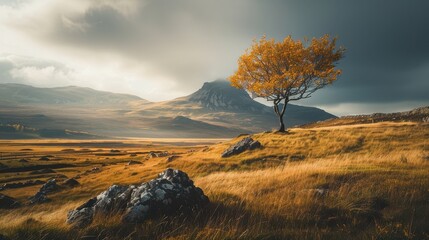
[{"x": 368, "y": 181}]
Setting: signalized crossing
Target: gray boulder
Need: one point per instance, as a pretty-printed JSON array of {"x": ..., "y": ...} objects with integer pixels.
[
  {"x": 49, "y": 186},
  {"x": 7, "y": 202},
  {"x": 41, "y": 195},
  {"x": 244, "y": 144},
  {"x": 171, "y": 192},
  {"x": 83, "y": 215}
]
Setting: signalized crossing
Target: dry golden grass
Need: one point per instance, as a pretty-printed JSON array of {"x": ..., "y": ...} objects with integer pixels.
[{"x": 350, "y": 182}]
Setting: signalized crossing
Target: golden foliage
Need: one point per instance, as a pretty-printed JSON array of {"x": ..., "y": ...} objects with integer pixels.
[{"x": 290, "y": 69}]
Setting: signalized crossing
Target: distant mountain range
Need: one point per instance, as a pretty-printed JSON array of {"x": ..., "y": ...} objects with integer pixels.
[
  {"x": 24, "y": 94},
  {"x": 215, "y": 110}
]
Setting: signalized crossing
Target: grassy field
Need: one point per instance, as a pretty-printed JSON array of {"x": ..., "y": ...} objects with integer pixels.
[{"x": 348, "y": 182}]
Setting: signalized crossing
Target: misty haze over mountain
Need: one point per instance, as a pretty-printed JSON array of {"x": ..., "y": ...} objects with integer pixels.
[{"x": 215, "y": 110}]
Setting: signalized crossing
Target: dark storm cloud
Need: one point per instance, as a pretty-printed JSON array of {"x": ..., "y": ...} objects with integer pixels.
[
  {"x": 193, "y": 41},
  {"x": 387, "y": 58}
]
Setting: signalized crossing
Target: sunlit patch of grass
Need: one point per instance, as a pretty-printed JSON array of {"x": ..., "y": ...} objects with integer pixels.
[{"x": 361, "y": 182}]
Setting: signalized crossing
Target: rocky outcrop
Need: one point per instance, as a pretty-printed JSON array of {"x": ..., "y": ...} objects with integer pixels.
[
  {"x": 7, "y": 202},
  {"x": 171, "y": 192},
  {"x": 41, "y": 195},
  {"x": 244, "y": 144},
  {"x": 49, "y": 187}
]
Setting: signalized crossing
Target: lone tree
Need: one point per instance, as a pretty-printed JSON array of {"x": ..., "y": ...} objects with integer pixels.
[{"x": 288, "y": 70}]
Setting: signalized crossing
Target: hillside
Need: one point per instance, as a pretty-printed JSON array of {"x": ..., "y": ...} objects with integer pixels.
[
  {"x": 71, "y": 95},
  {"x": 415, "y": 115},
  {"x": 353, "y": 182},
  {"x": 221, "y": 104},
  {"x": 215, "y": 110},
  {"x": 17, "y": 131}
]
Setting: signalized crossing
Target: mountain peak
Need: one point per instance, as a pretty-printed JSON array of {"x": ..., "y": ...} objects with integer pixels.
[{"x": 220, "y": 95}]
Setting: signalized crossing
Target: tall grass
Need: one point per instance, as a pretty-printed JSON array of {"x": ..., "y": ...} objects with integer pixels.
[{"x": 361, "y": 182}]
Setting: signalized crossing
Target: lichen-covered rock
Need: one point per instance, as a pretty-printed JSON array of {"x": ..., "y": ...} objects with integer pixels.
[
  {"x": 244, "y": 144},
  {"x": 7, "y": 202},
  {"x": 171, "y": 192}
]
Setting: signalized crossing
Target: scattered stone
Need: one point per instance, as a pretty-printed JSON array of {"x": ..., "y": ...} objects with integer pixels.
[
  {"x": 320, "y": 192},
  {"x": 83, "y": 215},
  {"x": 39, "y": 197},
  {"x": 246, "y": 143},
  {"x": 7, "y": 202},
  {"x": 21, "y": 184},
  {"x": 68, "y": 150},
  {"x": 133, "y": 162},
  {"x": 42, "y": 171},
  {"x": 114, "y": 150},
  {"x": 171, "y": 192},
  {"x": 92, "y": 170},
  {"x": 71, "y": 182},
  {"x": 171, "y": 158},
  {"x": 50, "y": 186},
  {"x": 157, "y": 154},
  {"x": 133, "y": 155},
  {"x": 44, "y": 158}
]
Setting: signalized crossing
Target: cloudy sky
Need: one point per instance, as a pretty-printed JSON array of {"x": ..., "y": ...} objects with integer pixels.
[{"x": 162, "y": 49}]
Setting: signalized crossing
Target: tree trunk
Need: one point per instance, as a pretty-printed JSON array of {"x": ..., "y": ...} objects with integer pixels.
[
  {"x": 280, "y": 113},
  {"x": 282, "y": 125}
]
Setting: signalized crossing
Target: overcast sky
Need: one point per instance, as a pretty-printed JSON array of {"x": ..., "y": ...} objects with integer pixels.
[{"x": 162, "y": 49}]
